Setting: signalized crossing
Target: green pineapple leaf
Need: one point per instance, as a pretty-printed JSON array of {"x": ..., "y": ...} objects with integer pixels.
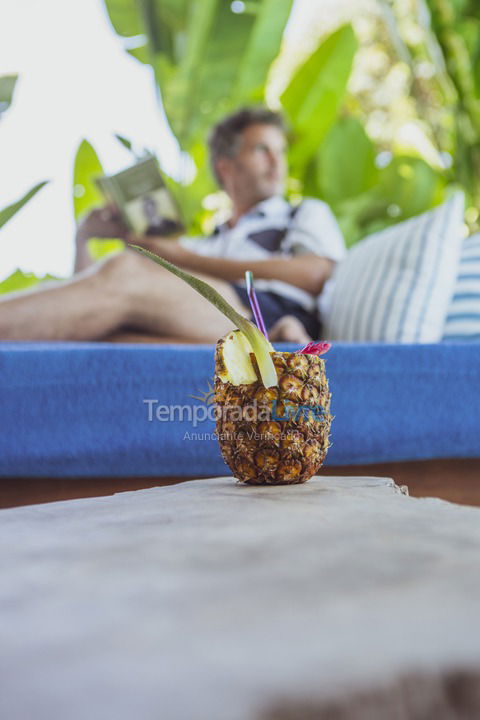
[{"x": 260, "y": 345}]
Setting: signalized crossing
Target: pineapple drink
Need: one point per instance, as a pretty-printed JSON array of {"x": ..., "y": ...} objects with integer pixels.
[
  {"x": 271, "y": 435},
  {"x": 273, "y": 408}
]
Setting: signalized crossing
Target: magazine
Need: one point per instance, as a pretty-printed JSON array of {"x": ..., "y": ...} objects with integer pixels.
[{"x": 143, "y": 199}]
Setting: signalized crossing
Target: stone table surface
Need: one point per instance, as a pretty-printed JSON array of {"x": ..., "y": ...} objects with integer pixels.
[{"x": 212, "y": 600}]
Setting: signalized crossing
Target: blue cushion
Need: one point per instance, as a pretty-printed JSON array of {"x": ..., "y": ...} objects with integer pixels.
[{"x": 79, "y": 409}]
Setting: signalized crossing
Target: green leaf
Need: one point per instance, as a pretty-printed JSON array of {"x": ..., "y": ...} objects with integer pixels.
[
  {"x": 200, "y": 23},
  {"x": 356, "y": 215},
  {"x": 159, "y": 34},
  {"x": 406, "y": 187},
  {"x": 99, "y": 248},
  {"x": 87, "y": 167},
  {"x": 190, "y": 197},
  {"x": 316, "y": 92},
  {"x": 7, "y": 87},
  {"x": 125, "y": 17},
  {"x": 259, "y": 343},
  {"x": 19, "y": 280},
  {"x": 11, "y": 210},
  {"x": 187, "y": 97},
  {"x": 140, "y": 53},
  {"x": 126, "y": 143},
  {"x": 262, "y": 48},
  {"x": 206, "y": 58},
  {"x": 346, "y": 162},
  {"x": 411, "y": 185},
  {"x": 222, "y": 59}
]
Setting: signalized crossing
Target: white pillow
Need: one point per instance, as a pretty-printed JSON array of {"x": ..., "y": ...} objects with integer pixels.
[
  {"x": 395, "y": 286},
  {"x": 463, "y": 317}
]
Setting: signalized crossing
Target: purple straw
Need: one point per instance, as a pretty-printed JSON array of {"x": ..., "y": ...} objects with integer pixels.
[{"x": 254, "y": 303}]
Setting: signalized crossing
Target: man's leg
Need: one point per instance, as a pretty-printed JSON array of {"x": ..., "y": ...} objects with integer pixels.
[
  {"x": 126, "y": 290},
  {"x": 162, "y": 304},
  {"x": 84, "y": 308},
  {"x": 186, "y": 315}
]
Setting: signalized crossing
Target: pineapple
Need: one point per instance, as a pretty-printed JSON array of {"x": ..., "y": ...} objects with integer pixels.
[
  {"x": 276, "y": 435},
  {"x": 273, "y": 418}
]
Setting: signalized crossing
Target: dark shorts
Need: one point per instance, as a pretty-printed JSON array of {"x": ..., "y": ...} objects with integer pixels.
[{"x": 275, "y": 306}]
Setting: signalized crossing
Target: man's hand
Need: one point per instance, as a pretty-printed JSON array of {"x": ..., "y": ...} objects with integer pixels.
[
  {"x": 100, "y": 223},
  {"x": 103, "y": 222}
]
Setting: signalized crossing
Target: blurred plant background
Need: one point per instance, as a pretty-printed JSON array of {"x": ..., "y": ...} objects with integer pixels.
[{"x": 382, "y": 98}]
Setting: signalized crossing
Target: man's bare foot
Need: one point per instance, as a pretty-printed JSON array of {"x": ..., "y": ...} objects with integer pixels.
[{"x": 289, "y": 329}]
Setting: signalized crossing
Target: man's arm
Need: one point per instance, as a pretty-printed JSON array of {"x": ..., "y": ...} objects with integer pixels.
[
  {"x": 102, "y": 223},
  {"x": 308, "y": 272}
]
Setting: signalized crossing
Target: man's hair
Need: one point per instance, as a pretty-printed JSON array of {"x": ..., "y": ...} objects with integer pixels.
[{"x": 224, "y": 137}]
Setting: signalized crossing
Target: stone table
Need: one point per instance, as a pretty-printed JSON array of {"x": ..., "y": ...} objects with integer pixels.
[{"x": 211, "y": 600}]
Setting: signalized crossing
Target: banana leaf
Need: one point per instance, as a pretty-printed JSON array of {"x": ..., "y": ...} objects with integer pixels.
[
  {"x": 261, "y": 50},
  {"x": 7, "y": 213},
  {"x": 316, "y": 92},
  {"x": 87, "y": 167},
  {"x": 125, "y": 142},
  {"x": 207, "y": 59},
  {"x": 125, "y": 17},
  {"x": 19, "y": 280},
  {"x": 345, "y": 162},
  {"x": 455, "y": 36},
  {"x": 226, "y": 63},
  {"x": 412, "y": 185},
  {"x": 407, "y": 186},
  {"x": 7, "y": 87}
]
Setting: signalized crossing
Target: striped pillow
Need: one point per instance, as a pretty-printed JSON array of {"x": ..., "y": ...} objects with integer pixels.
[
  {"x": 463, "y": 318},
  {"x": 395, "y": 286}
]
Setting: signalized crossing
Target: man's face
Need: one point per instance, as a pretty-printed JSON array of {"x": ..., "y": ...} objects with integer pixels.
[{"x": 258, "y": 169}]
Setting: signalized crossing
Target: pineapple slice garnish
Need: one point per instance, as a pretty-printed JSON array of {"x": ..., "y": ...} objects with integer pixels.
[
  {"x": 234, "y": 364},
  {"x": 255, "y": 341}
]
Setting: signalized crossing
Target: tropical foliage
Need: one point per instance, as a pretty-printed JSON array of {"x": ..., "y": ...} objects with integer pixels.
[
  {"x": 451, "y": 41},
  {"x": 418, "y": 60},
  {"x": 7, "y": 88},
  {"x": 208, "y": 58},
  {"x": 17, "y": 280}
]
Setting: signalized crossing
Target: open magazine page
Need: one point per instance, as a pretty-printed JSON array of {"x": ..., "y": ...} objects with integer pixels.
[{"x": 146, "y": 204}]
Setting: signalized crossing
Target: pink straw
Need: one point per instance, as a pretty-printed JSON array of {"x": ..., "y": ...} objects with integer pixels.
[{"x": 254, "y": 303}]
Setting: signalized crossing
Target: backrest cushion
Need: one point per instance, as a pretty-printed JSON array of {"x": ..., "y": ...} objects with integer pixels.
[{"x": 395, "y": 286}]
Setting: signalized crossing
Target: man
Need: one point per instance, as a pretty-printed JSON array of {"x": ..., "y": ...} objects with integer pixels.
[{"x": 290, "y": 254}]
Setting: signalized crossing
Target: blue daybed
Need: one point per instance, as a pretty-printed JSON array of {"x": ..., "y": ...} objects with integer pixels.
[{"x": 79, "y": 410}]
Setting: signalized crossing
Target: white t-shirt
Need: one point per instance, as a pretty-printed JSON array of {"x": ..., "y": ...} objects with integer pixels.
[{"x": 274, "y": 229}]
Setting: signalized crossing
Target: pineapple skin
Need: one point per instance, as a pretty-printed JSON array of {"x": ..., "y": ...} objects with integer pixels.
[{"x": 268, "y": 436}]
